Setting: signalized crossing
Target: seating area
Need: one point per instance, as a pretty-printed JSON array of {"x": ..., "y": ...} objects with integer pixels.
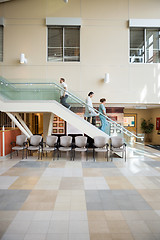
[
  {"x": 117, "y": 145},
  {"x": 19, "y": 145},
  {"x": 68, "y": 144}
]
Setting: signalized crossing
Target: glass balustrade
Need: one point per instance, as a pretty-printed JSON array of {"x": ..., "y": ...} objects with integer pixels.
[
  {"x": 29, "y": 91},
  {"x": 51, "y": 91}
]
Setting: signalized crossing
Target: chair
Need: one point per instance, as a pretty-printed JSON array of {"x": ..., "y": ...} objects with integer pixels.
[
  {"x": 80, "y": 145},
  {"x": 19, "y": 145},
  {"x": 65, "y": 145},
  {"x": 35, "y": 144},
  {"x": 118, "y": 145},
  {"x": 50, "y": 145},
  {"x": 100, "y": 145}
]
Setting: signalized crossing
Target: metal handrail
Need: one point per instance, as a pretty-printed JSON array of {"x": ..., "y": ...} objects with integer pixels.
[
  {"x": 124, "y": 130},
  {"x": 118, "y": 126}
]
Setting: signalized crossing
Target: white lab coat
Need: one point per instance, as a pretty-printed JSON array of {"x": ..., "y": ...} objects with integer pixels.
[{"x": 89, "y": 112}]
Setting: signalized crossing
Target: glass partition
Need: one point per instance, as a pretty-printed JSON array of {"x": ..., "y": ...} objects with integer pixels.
[{"x": 51, "y": 91}]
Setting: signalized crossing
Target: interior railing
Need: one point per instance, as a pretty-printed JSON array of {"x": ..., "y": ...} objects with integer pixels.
[{"x": 51, "y": 91}]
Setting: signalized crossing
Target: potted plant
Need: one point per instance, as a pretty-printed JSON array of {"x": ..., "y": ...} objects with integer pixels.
[{"x": 147, "y": 128}]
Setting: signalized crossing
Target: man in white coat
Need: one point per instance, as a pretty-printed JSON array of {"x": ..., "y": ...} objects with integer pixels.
[
  {"x": 64, "y": 93},
  {"x": 89, "y": 111}
]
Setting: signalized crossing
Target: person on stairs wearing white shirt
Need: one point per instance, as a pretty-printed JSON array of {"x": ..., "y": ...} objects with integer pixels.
[
  {"x": 64, "y": 93},
  {"x": 89, "y": 111}
]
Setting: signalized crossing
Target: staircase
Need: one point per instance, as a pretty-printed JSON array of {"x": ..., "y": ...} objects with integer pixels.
[
  {"x": 52, "y": 107},
  {"x": 44, "y": 97}
]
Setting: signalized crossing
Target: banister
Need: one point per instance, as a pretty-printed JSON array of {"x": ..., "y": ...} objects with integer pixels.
[{"x": 118, "y": 126}]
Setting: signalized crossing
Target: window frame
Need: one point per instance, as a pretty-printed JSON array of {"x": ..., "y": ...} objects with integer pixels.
[
  {"x": 63, "y": 43},
  {"x": 145, "y": 52}
]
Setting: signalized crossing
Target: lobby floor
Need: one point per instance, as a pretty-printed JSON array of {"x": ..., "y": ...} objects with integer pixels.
[{"x": 66, "y": 200}]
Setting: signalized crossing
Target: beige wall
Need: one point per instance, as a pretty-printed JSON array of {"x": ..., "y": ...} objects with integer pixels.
[
  {"x": 147, "y": 114},
  {"x": 46, "y": 119},
  {"x": 104, "y": 47}
]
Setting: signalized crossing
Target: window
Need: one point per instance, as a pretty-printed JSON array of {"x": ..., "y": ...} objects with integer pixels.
[
  {"x": 63, "y": 44},
  {"x": 144, "y": 45},
  {"x": 5, "y": 120},
  {"x": 1, "y": 43}
]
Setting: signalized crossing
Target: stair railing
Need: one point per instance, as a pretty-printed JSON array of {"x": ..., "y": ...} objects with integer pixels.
[{"x": 118, "y": 126}]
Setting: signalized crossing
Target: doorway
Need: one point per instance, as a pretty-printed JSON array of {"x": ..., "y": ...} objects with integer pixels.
[{"x": 130, "y": 122}]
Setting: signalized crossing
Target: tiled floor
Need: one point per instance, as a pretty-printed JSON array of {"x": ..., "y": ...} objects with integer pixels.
[{"x": 66, "y": 200}]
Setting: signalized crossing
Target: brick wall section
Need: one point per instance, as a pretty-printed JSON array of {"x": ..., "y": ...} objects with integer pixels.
[{"x": 10, "y": 136}]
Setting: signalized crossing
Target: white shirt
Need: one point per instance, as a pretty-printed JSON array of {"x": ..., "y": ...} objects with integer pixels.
[
  {"x": 89, "y": 102},
  {"x": 89, "y": 111},
  {"x": 64, "y": 85}
]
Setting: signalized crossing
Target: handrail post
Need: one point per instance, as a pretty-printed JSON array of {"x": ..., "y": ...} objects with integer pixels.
[{"x": 3, "y": 141}]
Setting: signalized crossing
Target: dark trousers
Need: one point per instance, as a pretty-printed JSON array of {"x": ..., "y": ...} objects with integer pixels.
[
  {"x": 63, "y": 101},
  {"x": 93, "y": 120}
]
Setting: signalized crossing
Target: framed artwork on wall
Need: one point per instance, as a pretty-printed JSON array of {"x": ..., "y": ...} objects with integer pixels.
[
  {"x": 61, "y": 131},
  {"x": 158, "y": 123},
  {"x": 59, "y": 126},
  {"x": 129, "y": 121}
]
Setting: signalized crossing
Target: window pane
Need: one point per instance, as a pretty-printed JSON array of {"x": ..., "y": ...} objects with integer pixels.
[
  {"x": 71, "y": 44},
  {"x": 136, "y": 45},
  {"x": 55, "y": 54},
  {"x": 55, "y": 37},
  {"x": 55, "y": 44},
  {"x": 71, "y": 55},
  {"x": 152, "y": 46},
  {"x": 5, "y": 120},
  {"x": 1, "y": 43},
  {"x": 71, "y": 37}
]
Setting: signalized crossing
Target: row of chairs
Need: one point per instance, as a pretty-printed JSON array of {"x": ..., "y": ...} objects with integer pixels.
[
  {"x": 66, "y": 144},
  {"x": 25, "y": 145}
]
